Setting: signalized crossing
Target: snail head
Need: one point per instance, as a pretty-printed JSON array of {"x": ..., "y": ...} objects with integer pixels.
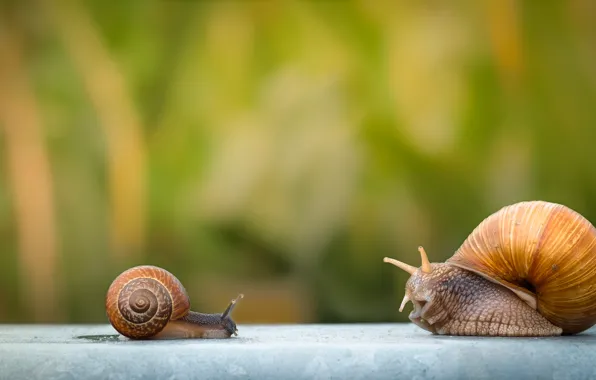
[
  {"x": 421, "y": 290},
  {"x": 226, "y": 319}
]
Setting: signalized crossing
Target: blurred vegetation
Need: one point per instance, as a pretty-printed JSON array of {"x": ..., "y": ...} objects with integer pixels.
[{"x": 280, "y": 149}]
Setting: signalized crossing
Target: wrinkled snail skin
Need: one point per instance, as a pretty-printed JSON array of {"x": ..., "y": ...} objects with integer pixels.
[
  {"x": 462, "y": 303},
  {"x": 199, "y": 325},
  {"x": 529, "y": 269},
  {"x": 148, "y": 302}
]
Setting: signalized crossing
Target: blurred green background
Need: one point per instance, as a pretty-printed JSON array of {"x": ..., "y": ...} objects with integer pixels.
[{"x": 279, "y": 149}]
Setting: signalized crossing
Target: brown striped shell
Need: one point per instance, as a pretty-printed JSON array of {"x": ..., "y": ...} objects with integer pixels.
[
  {"x": 546, "y": 253},
  {"x": 142, "y": 300}
]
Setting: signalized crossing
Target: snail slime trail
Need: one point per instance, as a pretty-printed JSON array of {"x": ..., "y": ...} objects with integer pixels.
[
  {"x": 528, "y": 269},
  {"x": 148, "y": 302}
]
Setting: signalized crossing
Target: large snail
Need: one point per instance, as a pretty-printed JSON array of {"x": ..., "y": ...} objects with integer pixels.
[
  {"x": 148, "y": 302},
  {"x": 529, "y": 269}
]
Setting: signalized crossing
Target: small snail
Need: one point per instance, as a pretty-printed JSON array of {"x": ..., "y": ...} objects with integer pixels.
[
  {"x": 529, "y": 269},
  {"x": 148, "y": 302}
]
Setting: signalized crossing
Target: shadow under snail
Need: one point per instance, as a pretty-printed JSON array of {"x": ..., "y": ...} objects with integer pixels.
[
  {"x": 148, "y": 302},
  {"x": 529, "y": 269}
]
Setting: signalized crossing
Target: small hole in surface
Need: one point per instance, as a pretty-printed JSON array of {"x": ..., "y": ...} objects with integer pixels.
[
  {"x": 526, "y": 284},
  {"x": 422, "y": 303}
]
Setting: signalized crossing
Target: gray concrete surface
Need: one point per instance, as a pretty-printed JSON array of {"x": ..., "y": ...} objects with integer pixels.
[{"x": 379, "y": 351}]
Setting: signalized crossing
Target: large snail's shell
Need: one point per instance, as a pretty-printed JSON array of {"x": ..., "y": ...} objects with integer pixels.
[
  {"x": 142, "y": 300},
  {"x": 542, "y": 250}
]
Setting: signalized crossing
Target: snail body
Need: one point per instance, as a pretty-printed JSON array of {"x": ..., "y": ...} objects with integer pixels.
[
  {"x": 148, "y": 302},
  {"x": 528, "y": 269}
]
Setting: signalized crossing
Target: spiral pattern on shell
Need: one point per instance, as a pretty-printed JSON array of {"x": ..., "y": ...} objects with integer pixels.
[
  {"x": 142, "y": 300},
  {"x": 542, "y": 250}
]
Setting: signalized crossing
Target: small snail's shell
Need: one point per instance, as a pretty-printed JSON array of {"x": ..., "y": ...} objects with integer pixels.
[
  {"x": 142, "y": 300},
  {"x": 544, "y": 251}
]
